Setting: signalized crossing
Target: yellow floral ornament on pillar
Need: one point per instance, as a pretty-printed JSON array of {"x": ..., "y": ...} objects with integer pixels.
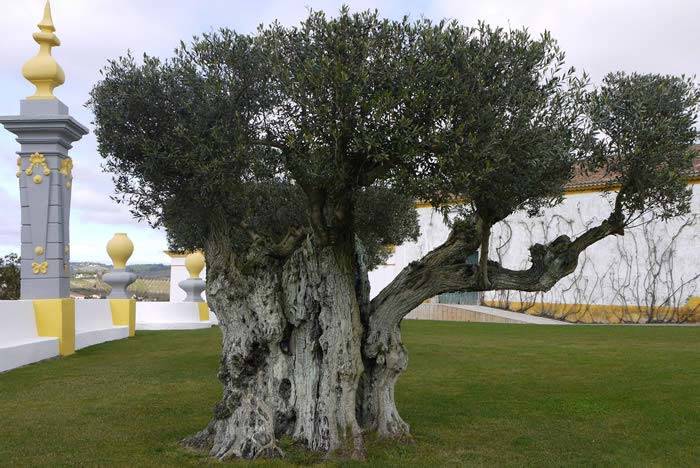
[
  {"x": 37, "y": 160},
  {"x": 67, "y": 171},
  {"x": 40, "y": 268},
  {"x": 42, "y": 70}
]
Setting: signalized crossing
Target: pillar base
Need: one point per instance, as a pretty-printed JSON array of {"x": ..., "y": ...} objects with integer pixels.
[
  {"x": 203, "y": 311},
  {"x": 56, "y": 318},
  {"x": 124, "y": 313}
]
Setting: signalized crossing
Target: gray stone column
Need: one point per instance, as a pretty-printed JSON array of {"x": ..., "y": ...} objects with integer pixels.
[{"x": 45, "y": 133}]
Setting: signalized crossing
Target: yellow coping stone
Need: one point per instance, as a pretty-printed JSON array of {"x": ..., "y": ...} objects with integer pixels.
[
  {"x": 124, "y": 313},
  {"x": 56, "y": 318},
  {"x": 203, "y": 311},
  {"x": 588, "y": 313}
]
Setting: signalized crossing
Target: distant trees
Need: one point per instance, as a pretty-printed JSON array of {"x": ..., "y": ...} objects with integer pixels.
[{"x": 9, "y": 277}]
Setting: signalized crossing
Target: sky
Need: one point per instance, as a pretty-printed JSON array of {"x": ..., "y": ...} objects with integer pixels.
[{"x": 598, "y": 37}]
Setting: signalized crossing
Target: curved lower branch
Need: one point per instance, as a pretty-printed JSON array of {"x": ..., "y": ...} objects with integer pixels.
[{"x": 446, "y": 269}]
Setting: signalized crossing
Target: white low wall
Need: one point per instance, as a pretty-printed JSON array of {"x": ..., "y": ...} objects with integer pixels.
[
  {"x": 169, "y": 316},
  {"x": 474, "y": 313},
  {"x": 20, "y": 343},
  {"x": 93, "y": 323}
]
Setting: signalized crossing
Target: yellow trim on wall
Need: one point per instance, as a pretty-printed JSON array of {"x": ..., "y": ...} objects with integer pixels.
[
  {"x": 56, "y": 318},
  {"x": 694, "y": 303},
  {"x": 600, "y": 188},
  {"x": 124, "y": 313},
  {"x": 203, "y": 311},
  {"x": 594, "y": 313}
]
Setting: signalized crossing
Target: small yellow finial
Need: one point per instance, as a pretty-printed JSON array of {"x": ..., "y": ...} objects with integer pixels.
[
  {"x": 42, "y": 70},
  {"x": 195, "y": 263},
  {"x": 119, "y": 249}
]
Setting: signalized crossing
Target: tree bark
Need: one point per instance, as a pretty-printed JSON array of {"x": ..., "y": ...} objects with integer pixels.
[
  {"x": 385, "y": 359},
  {"x": 291, "y": 359}
]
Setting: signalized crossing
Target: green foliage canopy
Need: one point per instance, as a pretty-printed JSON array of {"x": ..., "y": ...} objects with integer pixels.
[{"x": 337, "y": 125}]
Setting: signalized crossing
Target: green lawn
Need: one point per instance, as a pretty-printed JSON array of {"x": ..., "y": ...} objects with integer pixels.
[{"x": 481, "y": 394}]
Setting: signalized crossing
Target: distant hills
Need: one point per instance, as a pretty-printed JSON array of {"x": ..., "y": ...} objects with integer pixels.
[
  {"x": 144, "y": 270},
  {"x": 152, "y": 284}
]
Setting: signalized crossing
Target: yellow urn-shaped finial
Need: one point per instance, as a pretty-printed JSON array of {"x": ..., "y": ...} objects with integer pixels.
[
  {"x": 42, "y": 70},
  {"x": 194, "y": 263},
  {"x": 119, "y": 249}
]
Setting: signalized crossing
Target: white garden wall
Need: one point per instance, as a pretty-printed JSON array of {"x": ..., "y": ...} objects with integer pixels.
[
  {"x": 19, "y": 342},
  {"x": 169, "y": 316},
  {"x": 93, "y": 323}
]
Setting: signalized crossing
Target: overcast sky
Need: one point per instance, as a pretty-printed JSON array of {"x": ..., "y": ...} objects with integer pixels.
[{"x": 598, "y": 36}]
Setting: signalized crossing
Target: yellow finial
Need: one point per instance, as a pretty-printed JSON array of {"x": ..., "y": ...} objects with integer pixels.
[
  {"x": 42, "y": 70},
  {"x": 195, "y": 263},
  {"x": 119, "y": 249}
]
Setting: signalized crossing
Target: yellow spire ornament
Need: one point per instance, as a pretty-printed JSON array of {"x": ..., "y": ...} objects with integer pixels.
[{"x": 42, "y": 70}]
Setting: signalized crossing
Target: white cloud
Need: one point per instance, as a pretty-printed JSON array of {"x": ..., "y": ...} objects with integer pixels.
[{"x": 600, "y": 36}]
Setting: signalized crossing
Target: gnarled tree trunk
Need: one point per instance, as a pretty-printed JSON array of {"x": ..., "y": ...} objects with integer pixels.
[{"x": 291, "y": 359}]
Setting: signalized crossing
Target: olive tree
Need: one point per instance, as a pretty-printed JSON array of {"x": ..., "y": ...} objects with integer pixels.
[{"x": 293, "y": 158}]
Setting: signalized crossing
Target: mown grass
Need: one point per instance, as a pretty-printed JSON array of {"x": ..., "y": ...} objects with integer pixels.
[{"x": 474, "y": 394}]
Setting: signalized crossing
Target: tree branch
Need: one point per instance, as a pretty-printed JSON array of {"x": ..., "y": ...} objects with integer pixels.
[{"x": 445, "y": 269}]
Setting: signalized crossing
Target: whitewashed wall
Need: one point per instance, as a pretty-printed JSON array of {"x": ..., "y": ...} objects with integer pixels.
[
  {"x": 20, "y": 344},
  {"x": 649, "y": 264}
]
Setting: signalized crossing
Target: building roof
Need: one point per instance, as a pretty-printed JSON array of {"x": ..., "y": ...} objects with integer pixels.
[{"x": 599, "y": 180}]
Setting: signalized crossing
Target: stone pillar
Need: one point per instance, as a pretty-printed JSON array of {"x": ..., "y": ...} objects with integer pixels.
[
  {"x": 178, "y": 272},
  {"x": 194, "y": 286},
  {"x": 123, "y": 308},
  {"x": 45, "y": 132}
]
